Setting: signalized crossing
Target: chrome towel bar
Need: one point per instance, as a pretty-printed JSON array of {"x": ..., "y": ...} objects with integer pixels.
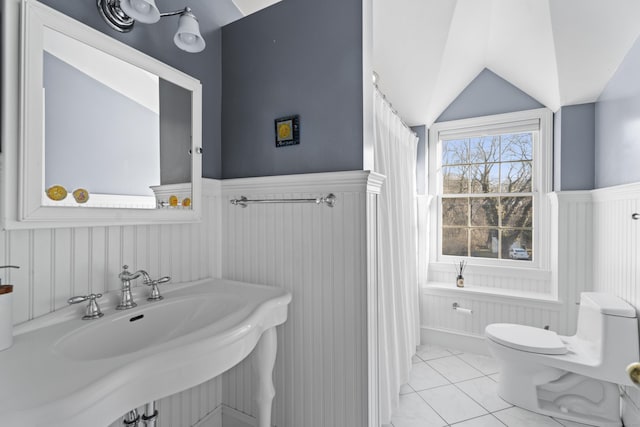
[{"x": 329, "y": 200}]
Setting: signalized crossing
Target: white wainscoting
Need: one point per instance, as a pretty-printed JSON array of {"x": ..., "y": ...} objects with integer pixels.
[
  {"x": 535, "y": 299},
  {"x": 573, "y": 230},
  {"x": 56, "y": 264},
  {"x": 616, "y": 252},
  {"x": 319, "y": 254}
]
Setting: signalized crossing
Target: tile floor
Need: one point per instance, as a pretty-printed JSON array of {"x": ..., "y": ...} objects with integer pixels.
[{"x": 452, "y": 388}]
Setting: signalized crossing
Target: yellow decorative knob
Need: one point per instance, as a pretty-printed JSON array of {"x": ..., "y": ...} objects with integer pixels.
[
  {"x": 57, "y": 193},
  {"x": 81, "y": 195},
  {"x": 634, "y": 373},
  {"x": 173, "y": 201}
]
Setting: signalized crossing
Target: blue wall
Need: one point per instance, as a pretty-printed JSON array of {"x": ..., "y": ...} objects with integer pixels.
[
  {"x": 574, "y": 147},
  {"x": 488, "y": 94},
  {"x": 296, "y": 57},
  {"x": 157, "y": 40},
  {"x": 617, "y": 112}
]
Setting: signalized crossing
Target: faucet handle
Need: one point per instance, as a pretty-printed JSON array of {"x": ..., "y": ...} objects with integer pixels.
[
  {"x": 155, "y": 291},
  {"x": 93, "y": 309},
  {"x": 125, "y": 273}
]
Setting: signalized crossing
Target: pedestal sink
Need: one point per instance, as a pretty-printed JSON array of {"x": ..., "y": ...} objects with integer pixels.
[{"x": 64, "y": 371}]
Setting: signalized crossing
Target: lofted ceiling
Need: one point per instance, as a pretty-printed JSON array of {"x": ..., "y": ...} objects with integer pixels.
[
  {"x": 214, "y": 14},
  {"x": 560, "y": 52}
]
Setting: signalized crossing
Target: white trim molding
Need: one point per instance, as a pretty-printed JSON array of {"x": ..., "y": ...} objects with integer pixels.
[
  {"x": 328, "y": 182},
  {"x": 454, "y": 340},
  {"x": 538, "y": 120},
  {"x": 23, "y": 125}
]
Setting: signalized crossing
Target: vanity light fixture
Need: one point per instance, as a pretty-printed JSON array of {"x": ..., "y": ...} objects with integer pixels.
[{"x": 122, "y": 14}]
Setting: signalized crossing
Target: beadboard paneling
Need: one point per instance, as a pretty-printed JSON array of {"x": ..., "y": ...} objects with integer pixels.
[
  {"x": 510, "y": 279},
  {"x": 574, "y": 254},
  {"x": 319, "y": 254},
  {"x": 616, "y": 253},
  {"x": 56, "y": 264},
  {"x": 437, "y": 313},
  {"x": 616, "y": 240},
  {"x": 185, "y": 409}
]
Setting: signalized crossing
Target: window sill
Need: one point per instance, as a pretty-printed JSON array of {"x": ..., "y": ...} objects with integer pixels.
[
  {"x": 485, "y": 293},
  {"x": 514, "y": 270}
]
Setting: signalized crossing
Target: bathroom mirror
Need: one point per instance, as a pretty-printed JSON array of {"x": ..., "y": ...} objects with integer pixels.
[{"x": 108, "y": 134}]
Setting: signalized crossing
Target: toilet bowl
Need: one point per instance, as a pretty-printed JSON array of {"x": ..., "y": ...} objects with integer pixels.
[{"x": 571, "y": 377}]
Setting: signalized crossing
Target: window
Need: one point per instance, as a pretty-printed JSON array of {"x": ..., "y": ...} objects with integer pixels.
[{"x": 487, "y": 175}]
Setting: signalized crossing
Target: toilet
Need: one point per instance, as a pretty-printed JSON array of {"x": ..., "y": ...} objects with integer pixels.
[{"x": 571, "y": 377}]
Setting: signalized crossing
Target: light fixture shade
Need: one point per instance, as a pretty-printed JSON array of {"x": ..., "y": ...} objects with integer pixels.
[
  {"x": 144, "y": 11},
  {"x": 188, "y": 37}
]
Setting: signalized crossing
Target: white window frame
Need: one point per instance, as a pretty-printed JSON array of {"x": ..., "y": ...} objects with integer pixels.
[{"x": 541, "y": 185}]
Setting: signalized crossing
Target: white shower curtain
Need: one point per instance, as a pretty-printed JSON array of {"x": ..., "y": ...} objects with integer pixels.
[{"x": 395, "y": 149}]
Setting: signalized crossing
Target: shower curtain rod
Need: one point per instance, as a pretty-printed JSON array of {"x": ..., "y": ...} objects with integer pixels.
[{"x": 384, "y": 97}]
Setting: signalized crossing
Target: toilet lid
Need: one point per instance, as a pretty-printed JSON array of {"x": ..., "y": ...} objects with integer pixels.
[{"x": 526, "y": 338}]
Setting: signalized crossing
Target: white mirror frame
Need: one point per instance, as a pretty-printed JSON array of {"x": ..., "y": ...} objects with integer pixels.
[{"x": 22, "y": 146}]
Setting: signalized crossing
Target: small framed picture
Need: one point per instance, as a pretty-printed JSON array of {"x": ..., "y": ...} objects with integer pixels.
[{"x": 287, "y": 131}]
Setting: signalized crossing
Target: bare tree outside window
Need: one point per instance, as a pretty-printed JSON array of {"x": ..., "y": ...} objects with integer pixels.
[{"x": 487, "y": 199}]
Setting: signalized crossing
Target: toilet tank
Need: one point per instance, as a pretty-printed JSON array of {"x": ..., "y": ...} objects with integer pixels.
[{"x": 608, "y": 322}]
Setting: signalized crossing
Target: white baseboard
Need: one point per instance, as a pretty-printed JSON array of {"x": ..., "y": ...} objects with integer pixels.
[
  {"x": 234, "y": 418},
  {"x": 630, "y": 412},
  {"x": 212, "y": 419},
  {"x": 454, "y": 340}
]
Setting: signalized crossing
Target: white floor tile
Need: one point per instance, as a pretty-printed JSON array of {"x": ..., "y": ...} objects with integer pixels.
[
  {"x": 485, "y": 364},
  {"x": 455, "y": 351},
  {"x": 484, "y": 421},
  {"x": 454, "y": 369},
  {"x": 484, "y": 391},
  {"x": 414, "y": 412},
  {"x": 406, "y": 389},
  {"x": 423, "y": 376},
  {"x": 452, "y": 404},
  {"x": 518, "y": 417},
  {"x": 428, "y": 352},
  {"x": 567, "y": 423},
  {"x": 416, "y": 359},
  {"x": 495, "y": 377}
]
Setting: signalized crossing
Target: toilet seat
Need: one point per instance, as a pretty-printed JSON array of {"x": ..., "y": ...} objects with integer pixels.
[{"x": 526, "y": 338}]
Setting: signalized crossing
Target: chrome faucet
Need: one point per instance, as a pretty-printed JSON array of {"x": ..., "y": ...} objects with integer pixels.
[
  {"x": 126, "y": 299},
  {"x": 93, "y": 309},
  {"x": 126, "y": 277}
]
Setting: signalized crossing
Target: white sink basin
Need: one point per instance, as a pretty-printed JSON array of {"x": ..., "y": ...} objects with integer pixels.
[
  {"x": 143, "y": 327},
  {"x": 64, "y": 371}
]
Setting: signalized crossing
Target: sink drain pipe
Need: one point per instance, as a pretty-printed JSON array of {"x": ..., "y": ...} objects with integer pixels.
[
  {"x": 150, "y": 416},
  {"x": 132, "y": 419},
  {"x": 149, "y": 419}
]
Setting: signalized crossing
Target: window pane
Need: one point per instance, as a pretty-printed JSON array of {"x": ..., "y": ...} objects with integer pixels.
[
  {"x": 455, "y": 152},
  {"x": 516, "y": 177},
  {"x": 455, "y": 241},
  {"x": 455, "y": 211},
  {"x": 517, "y": 212},
  {"x": 484, "y": 211},
  {"x": 517, "y": 244},
  {"x": 484, "y": 243},
  {"x": 517, "y": 146},
  {"x": 455, "y": 179},
  {"x": 485, "y": 178},
  {"x": 485, "y": 149}
]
